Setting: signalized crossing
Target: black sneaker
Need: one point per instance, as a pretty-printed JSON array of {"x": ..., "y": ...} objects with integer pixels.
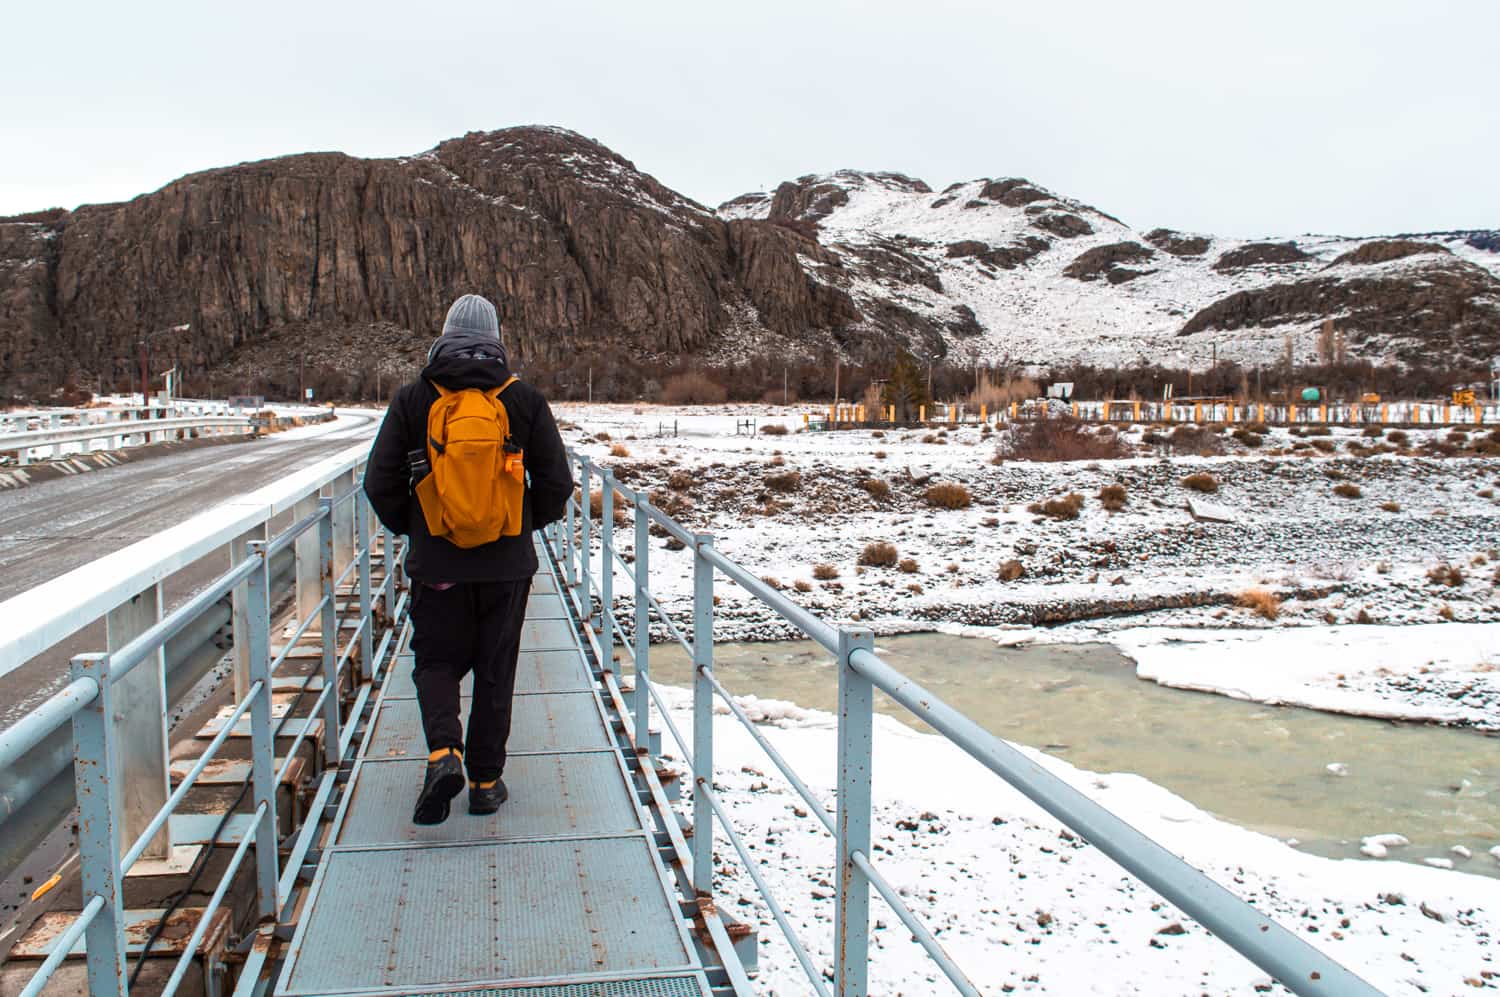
[
  {"x": 445, "y": 777},
  {"x": 485, "y": 798}
]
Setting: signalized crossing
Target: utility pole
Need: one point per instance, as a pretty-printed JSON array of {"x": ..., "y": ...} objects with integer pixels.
[
  {"x": 302, "y": 376},
  {"x": 835, "y": 380},
  {"x": 591, "y": 385},
  {"x": 783, "y": 385}
]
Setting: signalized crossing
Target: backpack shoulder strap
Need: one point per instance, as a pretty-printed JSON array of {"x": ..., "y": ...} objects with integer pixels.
[
  {"x": 497, "y": 392},
  {"x": 442, "y": 391}
]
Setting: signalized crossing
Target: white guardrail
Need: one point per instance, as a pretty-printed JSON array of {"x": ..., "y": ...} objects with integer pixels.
[{"x": 118, "y": 434}]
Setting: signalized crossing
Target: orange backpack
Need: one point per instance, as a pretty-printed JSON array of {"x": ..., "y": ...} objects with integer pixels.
[{"x": 473, "y": 495}]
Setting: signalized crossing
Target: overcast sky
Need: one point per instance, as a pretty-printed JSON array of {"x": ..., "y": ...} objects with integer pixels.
[{"x": 1348, "y": 116}]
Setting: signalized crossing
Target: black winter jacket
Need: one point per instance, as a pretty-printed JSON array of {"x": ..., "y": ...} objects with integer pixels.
[{"x": 388, "y": 478}]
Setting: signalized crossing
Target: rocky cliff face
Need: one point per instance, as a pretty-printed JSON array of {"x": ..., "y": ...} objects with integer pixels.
[
  {"x": 327, "y": 256},
  {"x": 349, "y": 264}
]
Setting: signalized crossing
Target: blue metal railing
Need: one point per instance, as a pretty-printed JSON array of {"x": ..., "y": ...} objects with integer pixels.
[
  {"x": 86, "y": 703},
  {"x": 1299, "y": 966}
]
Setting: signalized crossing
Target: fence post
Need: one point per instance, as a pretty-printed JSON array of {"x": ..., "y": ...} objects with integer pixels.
[
  {"x": 138, "y": 724},
  {"x": 585, "y": 595},
  {"x": 703, "y": 716},
  {"x": 569, "y": 541},
  {"x": 607, "y": 564},
  {"x": 305, "y": 554},
  {"x": 362, "y": 539},
  {"x": 238, "y": 551},
  {"x": 330, "y": 628},
  {"x": 642, "y": 624},
  {"x": 94, "y": 750},
  {"x": 856, "y": 719},
  {"x": 388, "y": 561},
  {"x": 262, "y": 737}
]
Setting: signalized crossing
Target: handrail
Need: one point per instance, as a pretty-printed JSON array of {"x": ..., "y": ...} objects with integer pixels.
[{"x": 1297, "y": 965}]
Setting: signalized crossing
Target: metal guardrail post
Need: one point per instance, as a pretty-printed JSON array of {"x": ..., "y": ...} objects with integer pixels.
[
  {"x": 239, "y": 549},
  {"x": 305, "y": 549},
  {"x": 343, "y": 519},
  {"x": 330, "y": 628},
  {"x": 262, "y": 736},
  {"x": 703, "y": 716},
  {"x": 362, "y": 540},
  {"x": 568, "y": 542},
  {"x": 607, "y": 561},
  {"x": 585, "y": 538},
  {"x": 856, "y": 720},
  {"x": 99, "y": 838},
  {"x": 142, "y": 781},
  {"x": 642, "y": 624},
  {"x": 388, "y": 560}
]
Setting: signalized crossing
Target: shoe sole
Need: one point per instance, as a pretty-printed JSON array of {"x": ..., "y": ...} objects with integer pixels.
[{"x": 433, "y": 806}]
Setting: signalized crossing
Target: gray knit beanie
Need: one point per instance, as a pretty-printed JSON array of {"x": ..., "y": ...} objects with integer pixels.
[{"x": 471, "y": 313}]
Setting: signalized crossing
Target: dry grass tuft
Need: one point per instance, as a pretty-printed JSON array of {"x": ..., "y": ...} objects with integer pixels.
[
  {"x": 1347, "y": 490},
  {"x": 1262, "y": 602},
  {"x": 802, "y": 585},
  {"x": 681, "y": 481},
  {"x": 1447, "y": 574},
  {"x": 1011, "y": 570},
  {"x": 948, "y": 496},
  {"x": 908, "y": 566},
  {"x": 879, "y": 490},
  {"x": 1112, "y": 497},
  {"x": 773, "y": 429},
  {"x": 1446, "y": 612},
  {"x": 1196, "y": 440},
  {"x": 619, "y": 450},
  {"x": 878, "y": 554},
  {"x": 692, "y": 388},
  {"x": 786, "y": 481},
  {"x": 774, "y": 583},
  {"x": 1390, "y": 506},
  {"x": 1065, "y": 507},
  {"x": 1059, "y": 439},
  {"x": 1201, "y": 481},
  {"x": 825, "y": 572}
]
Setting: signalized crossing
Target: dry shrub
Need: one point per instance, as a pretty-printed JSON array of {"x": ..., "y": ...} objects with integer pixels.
[
  {"x": 878, "y": 554},
  {"x": 1446, "y": 612},
  {"x": 596, "y": 505},
  {"x": 692, "y": 388},
  {"x": 931, "y": 438},
  {"x": 773, "y": 429},
  {"x": 948, "y": 496},
  {"x": 1372, "y": 432},
  {"x": 880, "y": 455},
  {"x": 998, "y": 394},
  {"x": 1196, "y": 440},
  {"x": 1011, "y": 570},
  {"x": 786, "y": 481},
  {"x": 1201, "y": 481},
  {"x": 681, "y": 481},
  {"x": 1447, "y": 574},
  {"x": 802, "y": 585},
  {"x": 1261, "y": 602},
  {"x": 618, "y": 450},
  {"x": 1066, "y": 507},
  {"x": 774, "y": 583},
  {"x": 1112, "y": 497},
  {"x": 1390, "y": 506},
  {"x": 908, "y": 566},
  {"x": 674, "y": 504},
  {"x": 1059, "y": 439},
  {"x": 1495, "y": 578},
  {"x": 825, "y": 572},
  {"x": 602, "y": 436},
  {"x": 1324, "y": 446},
  {"x": 1249, "y": 439},
  {"x": 915, "y": 588},
  {"x": 952, "y": 569},
  {"x": 879, "y": 490},
  {"x": 778, "y": 461},
  {"x": 1347, "y": 490},
  {"x": 1398, "y": 437},
  {"x": 1486, "y": 493},
  {"x": 1364, "y": 617}
]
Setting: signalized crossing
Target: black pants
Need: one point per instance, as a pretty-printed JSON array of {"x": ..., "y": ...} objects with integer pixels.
[{"x": 473, "y": 626}]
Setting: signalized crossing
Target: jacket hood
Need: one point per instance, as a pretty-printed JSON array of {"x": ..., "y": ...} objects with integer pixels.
[{"x": 466, "y": 360}]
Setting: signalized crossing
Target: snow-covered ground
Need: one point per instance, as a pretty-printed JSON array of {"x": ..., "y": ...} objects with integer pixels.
[{"x": 1023, "y": 906}]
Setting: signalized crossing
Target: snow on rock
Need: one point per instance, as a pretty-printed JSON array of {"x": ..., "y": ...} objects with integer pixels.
[{"x": 1387, "y": 840}]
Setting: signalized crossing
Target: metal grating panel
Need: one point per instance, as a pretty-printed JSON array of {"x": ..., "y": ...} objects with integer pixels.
[
  {"x": 545, "y": 606},
  {"x": 550, "y": 796},
  {"x": 547, "y": 635},
  {"x": 655, "y": 986},
  {"x": 521, "y": 911},
  {"x": 543, "y": 582},
  {"x": 536, "y": 671},
  {"x": 563, "y": 721}
]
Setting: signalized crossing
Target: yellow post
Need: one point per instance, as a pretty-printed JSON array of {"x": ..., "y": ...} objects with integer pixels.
[
  {"x": 1229, "y": 412},
  {"x": 1291, "y": 413},
  {"x": 1447, "y": 413},
  {"x": 861, "y": 411},
  {"x": 1137, "y": 411},
  {"x": 922, "y": 413},
  {"x": 1260, "y": 412},
  {"x": 1106, "y": 411},
  {"x": 804, "y": 420},
  {"x": 984, "y": 413},
  {"x": 1015, "y": 407},
  {"x": 1323, "y": 412},
  {"x": 1075, "y": 410},
  {"x": 1385, "y": 414},
  {"x": 1197, "y": 411},
  {"x": 1478, "y": 414},
  {"x": 831, "y": 420}
]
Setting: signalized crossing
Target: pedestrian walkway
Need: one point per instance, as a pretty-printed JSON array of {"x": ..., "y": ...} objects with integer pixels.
[{"x": 561, "y": 893}]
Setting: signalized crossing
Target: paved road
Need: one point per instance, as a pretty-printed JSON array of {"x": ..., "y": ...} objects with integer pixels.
[{"x": 51, "y": 527}]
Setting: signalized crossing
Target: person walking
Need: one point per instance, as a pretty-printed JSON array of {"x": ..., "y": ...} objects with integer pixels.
[{"x": 467, "y": 463}]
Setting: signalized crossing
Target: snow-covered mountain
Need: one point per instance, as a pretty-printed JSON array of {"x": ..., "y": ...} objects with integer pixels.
[{"x": 1006, "y": 270}]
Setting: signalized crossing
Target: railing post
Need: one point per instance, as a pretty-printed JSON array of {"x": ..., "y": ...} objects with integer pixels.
[
  {"x": 642, "y": 624},
  {"x": 305, "y": 553},
  {"x": 262, "y": 736},
  {"x": 569, "y": 540},
  {"x": 585, "y": 595},
  {"x": 703, "y": 716},
  {"x": 362, "y": 539},
  {"x": 141, "y": 781},
  {"x": 856, "y": 721},
  {"x": 607, "y": 563},
  {"x": 99, "y": 839},
  {"x": 330, "y": 628},
  {"x": 343, "y": 520},
  {"x": 388, "y": 560},
  {"x": 239, "y": 549}
]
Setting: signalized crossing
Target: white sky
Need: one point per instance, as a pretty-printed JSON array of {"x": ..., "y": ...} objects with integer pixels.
[{"x": 1273, "y": 117}]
